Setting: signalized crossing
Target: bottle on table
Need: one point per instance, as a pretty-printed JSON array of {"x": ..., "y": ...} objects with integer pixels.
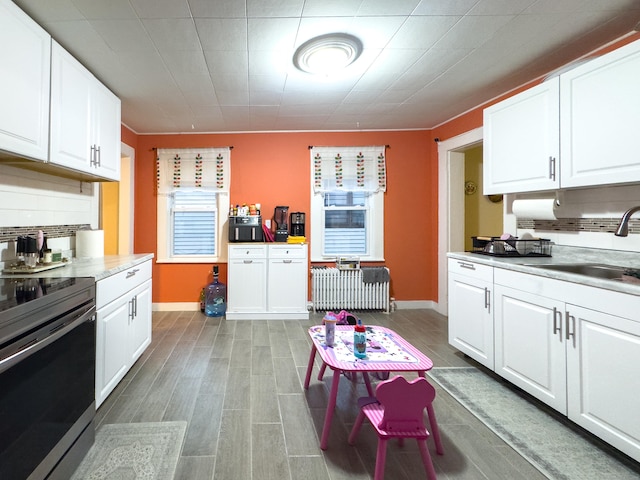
[
  {"x": 360, "y": 341},
  {"x": 329, "y": 321}
]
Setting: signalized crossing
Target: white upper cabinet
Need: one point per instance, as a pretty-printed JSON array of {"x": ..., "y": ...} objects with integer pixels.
[
  {"x": 522, "y": 141},
  {"x": 25, "y": 53},
  {"x": 599, "y": 106},
  {"x": 575, "y": 130},
  {"x": 85, "y": 119}
]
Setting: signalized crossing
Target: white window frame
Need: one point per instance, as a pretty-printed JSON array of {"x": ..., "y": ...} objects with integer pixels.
[
  {"x": 165, "y": 229},
  {"x": 375, "y": 229}
]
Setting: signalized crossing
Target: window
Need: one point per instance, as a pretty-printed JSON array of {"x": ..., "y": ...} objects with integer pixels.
[
  {"x": 190, "y": 226},
  {"x": 347, "y": 202},
  {"x": 345, "y": 223},
  {"x": 193, "y": 221},
  {"x": 192, "y": 204}
]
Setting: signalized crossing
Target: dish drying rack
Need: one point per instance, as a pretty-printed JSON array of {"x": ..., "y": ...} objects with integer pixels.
[{"x": 513, "y": 247}]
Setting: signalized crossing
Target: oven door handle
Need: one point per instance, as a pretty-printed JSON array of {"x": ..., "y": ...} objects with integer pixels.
[{"x": 57, "y": 332}]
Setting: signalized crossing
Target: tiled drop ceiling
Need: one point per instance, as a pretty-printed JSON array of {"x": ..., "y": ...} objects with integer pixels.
[{"x": 226, "y": 65}]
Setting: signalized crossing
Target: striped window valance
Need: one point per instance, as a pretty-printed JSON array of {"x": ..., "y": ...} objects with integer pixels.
[
  {"x": 349, "y": 168},
  {"x": 188, "y": 168}
]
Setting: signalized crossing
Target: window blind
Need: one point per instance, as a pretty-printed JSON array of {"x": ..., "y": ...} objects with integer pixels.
[{"x": 194, "y": 216}]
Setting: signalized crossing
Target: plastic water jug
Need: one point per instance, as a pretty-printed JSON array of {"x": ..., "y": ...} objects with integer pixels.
[{"x": 215, "y": 304}]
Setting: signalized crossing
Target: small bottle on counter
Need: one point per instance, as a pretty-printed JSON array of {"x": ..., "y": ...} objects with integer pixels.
[{"x": 360, "y": 341}]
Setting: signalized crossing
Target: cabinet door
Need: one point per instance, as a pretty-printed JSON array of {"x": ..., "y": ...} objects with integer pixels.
[
  {"x": 521, "y": 141},
  {"x": 105, "y": 110},
  {"x": 25, "y": 53},
  {"x": 247, "y": 288},
  {"x": 287, "y": 285},
  {"x": 70, "y": 114},
  {"x": 112, "y": 353},
  {"x": 140, "y": 321},
  {"x": 602, "y": 372},
  {"x": 599, "y": 105},
  {"x": 530, "y": 346},
  {"x": 471, "y": 317}
]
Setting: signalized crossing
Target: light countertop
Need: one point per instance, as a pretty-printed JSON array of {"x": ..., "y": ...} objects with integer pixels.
[
  {"x": 97, "y": 268},
  {"x": 565, "y": 255}
]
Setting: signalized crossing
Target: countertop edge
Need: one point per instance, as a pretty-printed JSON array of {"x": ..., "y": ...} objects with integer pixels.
[
  {"x": 97, "y": 268},
  {"x": 528, "y": 265}
]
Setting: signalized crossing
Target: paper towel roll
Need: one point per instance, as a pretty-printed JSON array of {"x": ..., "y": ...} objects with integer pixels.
[
  {"x": 89, "y": 243},
  {"x": 535, "y": 209}
]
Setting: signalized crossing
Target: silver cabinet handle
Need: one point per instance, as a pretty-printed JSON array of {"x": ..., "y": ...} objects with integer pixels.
[
  {"x": 130, "y": 310},
  {"x": 557, "y": 325},
  {"x": 131, "y": 273},
  {"x": 135, "y": 306},
  {"x": 248, "y": 261},
  {"x": 552, "y": 168},
  {"x": 287, "y": 261},
  {"x": 469, "y": 266},
  {"x": 98, "y": 157},
  {"x": 571, "y": 328},
  {"x": 487, "y": 299}
]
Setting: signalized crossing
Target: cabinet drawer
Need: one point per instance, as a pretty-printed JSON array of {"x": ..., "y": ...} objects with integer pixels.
[
  {"x": 247, "y": 251},
  {"x": 287, "y": 251},
  {"x": 115, "y": 286},
  {"x": 471, "y": 269}
]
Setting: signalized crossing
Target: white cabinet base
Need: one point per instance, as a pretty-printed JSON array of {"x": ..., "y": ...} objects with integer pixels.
[
  {"x": 123, "y": 311},
  {"x": 267, "y": 281}
]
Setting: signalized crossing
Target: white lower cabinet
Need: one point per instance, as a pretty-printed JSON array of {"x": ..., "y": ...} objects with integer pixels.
[
  {"x": 267, "y": 281},
  {"x": 530, "y": 346},
  {"x": 471, "y": 310},
  {"x": 574, "y": 347},
  {"x": 123, "y": 303},
  {"x": 247, "y": 280},
  {"x": 602, "y": 377}
]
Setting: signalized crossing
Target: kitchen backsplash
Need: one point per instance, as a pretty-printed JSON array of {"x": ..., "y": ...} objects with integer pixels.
[
  {"x": 8, "y": 234},
  {"x": 603, "y": 225}
]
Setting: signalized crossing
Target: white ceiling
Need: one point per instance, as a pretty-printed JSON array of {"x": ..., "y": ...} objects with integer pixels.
[{"x": 226, "y": 65}]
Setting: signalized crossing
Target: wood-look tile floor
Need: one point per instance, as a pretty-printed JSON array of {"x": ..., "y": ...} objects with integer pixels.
[{"x": 238, "y": 384}]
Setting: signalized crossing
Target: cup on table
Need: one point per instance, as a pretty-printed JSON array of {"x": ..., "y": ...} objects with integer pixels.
[{"x": 330, "y": 321}]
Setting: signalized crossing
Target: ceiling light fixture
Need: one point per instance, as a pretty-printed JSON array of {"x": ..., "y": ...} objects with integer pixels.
[{"x": 327, "y": 54}]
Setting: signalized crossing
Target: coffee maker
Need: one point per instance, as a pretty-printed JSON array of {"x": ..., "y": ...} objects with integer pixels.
[
  {"x": 297, "y": 224},
  {"x": 282, "y": 228}
]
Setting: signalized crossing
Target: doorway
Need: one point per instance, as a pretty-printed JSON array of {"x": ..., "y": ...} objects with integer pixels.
[
  {"x": 116, "y": 207},
  {"x": 451, "y": 199}
]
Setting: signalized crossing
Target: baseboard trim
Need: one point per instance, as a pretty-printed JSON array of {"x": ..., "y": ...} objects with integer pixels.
[{"x": 195, "y": 306}]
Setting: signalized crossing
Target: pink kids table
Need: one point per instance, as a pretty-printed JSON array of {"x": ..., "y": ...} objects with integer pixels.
[{"x": 386, "y": 352}]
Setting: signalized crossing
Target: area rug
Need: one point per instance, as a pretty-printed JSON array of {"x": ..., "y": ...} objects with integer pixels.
[
  {"x": 133, "y": 451},
  {"x": 554, "y": 447}
]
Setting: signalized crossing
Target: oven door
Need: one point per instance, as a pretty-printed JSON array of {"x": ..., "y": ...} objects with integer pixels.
[{"x": 47, "y": 395}]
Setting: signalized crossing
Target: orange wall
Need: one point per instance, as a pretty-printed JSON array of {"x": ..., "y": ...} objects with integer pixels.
[{"x": 274, "y": 169}]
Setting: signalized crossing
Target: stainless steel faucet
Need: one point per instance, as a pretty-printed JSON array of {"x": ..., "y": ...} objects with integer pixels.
[{"x": 623, "y": 227}]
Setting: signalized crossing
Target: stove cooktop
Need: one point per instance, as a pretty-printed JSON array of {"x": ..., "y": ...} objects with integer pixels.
[{"x": 17, "y": 291}]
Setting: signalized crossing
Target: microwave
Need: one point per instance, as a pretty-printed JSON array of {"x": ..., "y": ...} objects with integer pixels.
[{"x": 246, "y": 229}]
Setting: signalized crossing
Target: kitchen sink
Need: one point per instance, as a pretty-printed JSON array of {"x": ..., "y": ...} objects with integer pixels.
[{"x": 610, "y": 272}]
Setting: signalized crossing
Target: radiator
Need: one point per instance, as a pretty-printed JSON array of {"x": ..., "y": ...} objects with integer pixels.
[{"x": 334, "y": 289}]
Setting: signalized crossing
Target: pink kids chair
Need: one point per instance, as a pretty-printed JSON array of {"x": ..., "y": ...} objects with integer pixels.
[{"x": 397, "y": 412}]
